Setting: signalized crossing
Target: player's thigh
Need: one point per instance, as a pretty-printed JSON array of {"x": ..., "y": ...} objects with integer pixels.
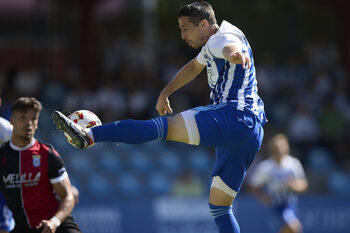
[
  {"x": 290, "y": 221},
  {"x": 177, "y": 129},
  {"x": 224, "y": 125},
  {"x": 220, "y": 197},
  {"x": 291, "y": 229},
  {"x": 228, "y": 172}
]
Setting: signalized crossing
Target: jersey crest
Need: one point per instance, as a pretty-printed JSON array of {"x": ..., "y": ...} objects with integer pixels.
[{"x": 36, "y": 160}]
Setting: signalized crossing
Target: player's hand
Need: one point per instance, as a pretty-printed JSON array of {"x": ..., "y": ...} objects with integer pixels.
[
  {"x": 241, "y": 58},
  {"x": 48, "y": 226},
  {"x": 163, "y": 105}
]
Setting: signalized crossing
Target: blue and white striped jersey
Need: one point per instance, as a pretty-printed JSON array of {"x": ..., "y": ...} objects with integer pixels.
[
  {"x": 230, "y": 82},
  {"x": 273, "y": 179},
  {"x": 5, "y": 130}
]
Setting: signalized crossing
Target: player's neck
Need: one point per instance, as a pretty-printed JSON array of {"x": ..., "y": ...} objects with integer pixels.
[
  {"x": 20, "y": 142},
  {"x": 214, "y": 29},
  {"x": 210, "y": 31}
]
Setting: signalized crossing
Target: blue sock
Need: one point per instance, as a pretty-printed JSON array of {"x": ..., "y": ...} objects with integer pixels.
[
  {"x": 224, "y": 219},
  {"x": 132, "y": 131}
]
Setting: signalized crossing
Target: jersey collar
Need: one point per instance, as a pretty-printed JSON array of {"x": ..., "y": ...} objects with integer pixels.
[{"x": 22, "y": 148}]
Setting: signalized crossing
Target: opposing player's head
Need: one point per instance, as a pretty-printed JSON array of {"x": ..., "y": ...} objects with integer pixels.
[
  {"x": 24, "y": 118},
  {"x": 278, "y": 146},
  {"x": 197, "y": 23}
]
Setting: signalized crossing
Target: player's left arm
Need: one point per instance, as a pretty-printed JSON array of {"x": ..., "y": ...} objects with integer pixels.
[
  {"x": 233, "y": 54},
  {"x": 298, "y": 182},
  {"x": 298, "y": 185},
  {"x": 61, "y": 184},
  {"x": 63, "y": 190}
]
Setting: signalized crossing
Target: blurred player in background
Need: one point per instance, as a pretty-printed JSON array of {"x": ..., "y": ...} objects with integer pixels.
[
  {"x": 232, "y": 123},
  {"x": 6, "y": 221},
  {"x": 30, "y": 193},
  {"x": 276, "y": 181}
]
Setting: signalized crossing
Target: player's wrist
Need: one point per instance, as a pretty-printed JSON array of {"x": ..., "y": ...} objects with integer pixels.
[{"x": 56, "y": 221}]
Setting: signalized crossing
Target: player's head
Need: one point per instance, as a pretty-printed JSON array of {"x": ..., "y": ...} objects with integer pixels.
[
  {"x": 196, "y": 21},
  {"x": 278, "y": 146},
  {"x": 24, "y": 118}
]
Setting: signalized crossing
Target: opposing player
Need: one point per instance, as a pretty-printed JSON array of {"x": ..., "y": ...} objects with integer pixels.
[
  {"x": 232, "y": 123},
  {"x": 32, "y": 175},
  {"x": 6, "y": 221},
  {"x": 276, "y": 182}
]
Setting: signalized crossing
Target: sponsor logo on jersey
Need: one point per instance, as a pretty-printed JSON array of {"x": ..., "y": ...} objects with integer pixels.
[
  {"x": 14, "y": 180},
  {"x": 36, "y": 160}
]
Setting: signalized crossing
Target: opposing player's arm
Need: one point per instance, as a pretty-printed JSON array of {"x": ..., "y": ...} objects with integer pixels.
[
  {"x": 233, "y": 54},
  {"x": 298, "y": 182},
  {"x": 189, "y": 72},
  {"x": 298, "y": 185},
  {"x": 64, "y": 192}
]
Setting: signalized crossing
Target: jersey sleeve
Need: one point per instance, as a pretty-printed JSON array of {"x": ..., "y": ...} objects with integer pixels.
[
  {"x": 57, "y": 170},
  {"x": 298, "y": 170},
  {"x": 5, "y": 130},
  {"x": 218, "y": 43}
]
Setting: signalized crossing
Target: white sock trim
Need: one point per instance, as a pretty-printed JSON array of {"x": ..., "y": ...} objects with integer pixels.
[
  {"x": 88, "y": 131},
  {"x": 191, "y": 127},
  {"x": 218, "y": 183}
]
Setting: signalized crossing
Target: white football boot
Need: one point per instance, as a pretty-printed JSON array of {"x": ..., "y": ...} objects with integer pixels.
[{"x": 77, "y": 133}]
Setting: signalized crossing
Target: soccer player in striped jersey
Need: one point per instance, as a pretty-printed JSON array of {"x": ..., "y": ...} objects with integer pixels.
[
  {"x": 276, "y": 182},
  {"x": 6, "y": 221},
  {"x": 232, "y": 123},
  {"x": 31, "y": 196}
]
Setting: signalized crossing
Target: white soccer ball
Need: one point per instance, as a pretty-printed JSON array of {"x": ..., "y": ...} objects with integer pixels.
[{"x": 84, "y": 118}]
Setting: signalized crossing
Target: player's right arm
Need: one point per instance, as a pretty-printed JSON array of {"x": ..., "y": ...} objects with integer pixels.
[{"x": 189, "y": 72}]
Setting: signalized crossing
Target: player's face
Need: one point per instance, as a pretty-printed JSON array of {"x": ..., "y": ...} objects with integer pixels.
[
  {"x": 193, "y": 35},
  {"x": 279, "y": 149},
  {"x": 24, "y": 124}
]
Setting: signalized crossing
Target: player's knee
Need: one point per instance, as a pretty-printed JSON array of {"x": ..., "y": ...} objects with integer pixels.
[{"x": 220, "y": 193}]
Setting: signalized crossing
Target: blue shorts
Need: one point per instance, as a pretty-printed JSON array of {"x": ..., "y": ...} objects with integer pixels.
[
  {"x": 236, "y": 136},
  {"x": 6, "y": 221}
]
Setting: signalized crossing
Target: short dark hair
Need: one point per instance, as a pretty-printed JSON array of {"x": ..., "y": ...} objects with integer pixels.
[
  {"x": 197, "y": 11},
  {"x": 24, "y": 104}
]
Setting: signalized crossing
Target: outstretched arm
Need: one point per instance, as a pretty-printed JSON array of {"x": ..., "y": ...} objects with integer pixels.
[{"x": 185, "y": 75}]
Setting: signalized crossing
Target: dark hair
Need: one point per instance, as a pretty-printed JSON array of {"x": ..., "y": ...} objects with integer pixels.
[
  {"x": 24, "y": 104},
  {"x": 198, "y": 11}
]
